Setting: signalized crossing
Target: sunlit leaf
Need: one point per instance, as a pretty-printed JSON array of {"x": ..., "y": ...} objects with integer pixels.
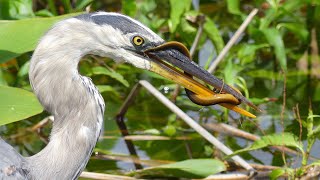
[
  {"x": 274, "y": 38},
  {"x": 177, "y": 10},
  {"x": 17, "y": 104},
  {"x": 213, "y": 33},
  {"x": 110, "y": 73},
  {"x": 193, "y": 168},
  {"x": 17, "y": 37},
  {"x": 281, "y": 139}
]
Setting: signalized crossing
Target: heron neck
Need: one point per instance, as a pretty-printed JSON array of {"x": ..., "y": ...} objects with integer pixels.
[{"x": 77, "y": 108}]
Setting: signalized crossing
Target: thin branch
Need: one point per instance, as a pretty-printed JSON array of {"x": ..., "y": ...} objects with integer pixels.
[
  {"x": 204, "y": 133},
  {"x": 282, "y": 112},
  {"x": 122, "y": 126},
  {"x": 232, "y": 131},
  {"x": 232, "y": 41},
  {"x": 93, "y": 175},
  {"x": 134, "y": 159}
]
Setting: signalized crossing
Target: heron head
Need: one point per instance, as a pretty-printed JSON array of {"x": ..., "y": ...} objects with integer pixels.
[{"x": 123, "y": 38}]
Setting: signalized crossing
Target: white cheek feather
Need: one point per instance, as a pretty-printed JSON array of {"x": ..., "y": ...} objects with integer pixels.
[{"x": 84, "y": 132}]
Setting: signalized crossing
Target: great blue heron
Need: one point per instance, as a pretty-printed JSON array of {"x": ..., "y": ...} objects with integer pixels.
[{"x": 73, "y": 99}]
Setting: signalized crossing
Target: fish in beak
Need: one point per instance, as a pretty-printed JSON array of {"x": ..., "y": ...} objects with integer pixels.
[{"x": 167, "y": 55}]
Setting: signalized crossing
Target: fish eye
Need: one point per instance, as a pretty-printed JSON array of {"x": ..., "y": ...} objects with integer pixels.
[{"x": 137, "y": 40}]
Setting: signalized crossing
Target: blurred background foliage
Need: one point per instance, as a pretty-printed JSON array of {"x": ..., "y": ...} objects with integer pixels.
[{"x": 275, "y": 63}]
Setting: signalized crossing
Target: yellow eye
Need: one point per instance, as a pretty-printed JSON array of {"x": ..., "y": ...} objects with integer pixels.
[{"x": 138, "y": 40}]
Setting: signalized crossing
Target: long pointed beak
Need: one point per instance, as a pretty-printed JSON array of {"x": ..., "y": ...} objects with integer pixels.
[{"x": 176, "y": 54}]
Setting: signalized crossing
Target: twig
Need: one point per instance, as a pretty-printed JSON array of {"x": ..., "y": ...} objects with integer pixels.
[
  {"x": 93, "y": 175},
  {"x": 282, "y": 113},
  {"x": 153, "y": 138},
  {"x": 122, "y": 126},
  {"x": 42, "y": 123},
  {"x": 231, "y": 42},
  {"x": 227, "y": 129},
  {"x": 237, "y": 176},
  {"x": 298, "y": 117},
  {"x": 204, "y": 133},
  {"x": 134, "y": 159},
  {"x": 200, "y": 19}
]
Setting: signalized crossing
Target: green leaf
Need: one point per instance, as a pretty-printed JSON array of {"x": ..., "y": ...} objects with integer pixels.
[
  {"x": 233, "y": 7},
  {"x": 247, "y": 52},
  {"x": 23, "y": 71},
  {"x": 81, "y": 4},
  {"x": 67, "y": 6},
  {"x": 298, "y": 29},
  {"x": 106, "y": 88},
  {"x": 276, "y": 173},
  {"x": 213, "y": 33},
  {"x": 17, "y": 104},
  {"x": 17, "y": 37},
  {"x": 177, "y": 10},
  {"x": 16, "y": 9},
  {"x": 193, "y": 168},
  {"x": 282, "y": 139},
  {"x": 110, "y": 72},
  {"x": 274, "y": 38},
  {"x": 129, "y": 7},
  {"x": 170, "y": 130},
  {"x": 44, "y": 13},
  {"x": 2, "y": 80}
]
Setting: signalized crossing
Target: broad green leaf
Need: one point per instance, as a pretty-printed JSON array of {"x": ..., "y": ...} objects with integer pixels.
[
  {"x": 281, "y": 139},
  {"x": 129, "y": 7},
  {"x": 177, "y": 10},
  {"x": 20, "y": 36},
  {"x": 193, "y": 168},
  {"x": 213, "y": 33},
  {"x": 110, "y": 72},
  {"x": 274, "y": 38},
  {"x": 234, "y": 7},
  {"x": 17, "y": 104}
]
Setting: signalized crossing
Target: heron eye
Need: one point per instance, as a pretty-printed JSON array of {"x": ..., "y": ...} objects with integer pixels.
[{"x": 138, "y": 40}]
